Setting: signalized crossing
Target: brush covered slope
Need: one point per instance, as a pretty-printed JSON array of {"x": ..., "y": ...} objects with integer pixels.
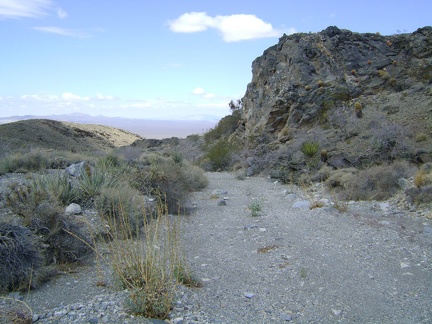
[{"x": 50, "y": 134}]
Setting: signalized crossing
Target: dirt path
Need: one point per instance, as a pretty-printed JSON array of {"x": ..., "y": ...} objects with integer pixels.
[{"x": 302, "y": 265}]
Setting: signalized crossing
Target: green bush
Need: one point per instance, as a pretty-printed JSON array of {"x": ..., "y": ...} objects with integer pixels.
[
  {"x": 255, "y": 208},
  {"x": 220, "y": 155},
  {"x": 226, "y": 126}
]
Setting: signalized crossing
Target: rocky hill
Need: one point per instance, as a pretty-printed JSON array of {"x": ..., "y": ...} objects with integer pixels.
[
  {"x": 50, "y": 134},
  {"x": 365, "y": 98}
]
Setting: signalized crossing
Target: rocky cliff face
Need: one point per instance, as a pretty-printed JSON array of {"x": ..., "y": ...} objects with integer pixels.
[{"x": 297, "y": 81}]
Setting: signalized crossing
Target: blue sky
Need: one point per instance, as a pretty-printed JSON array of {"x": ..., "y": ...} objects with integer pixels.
[{"x": 179, "y": 59}]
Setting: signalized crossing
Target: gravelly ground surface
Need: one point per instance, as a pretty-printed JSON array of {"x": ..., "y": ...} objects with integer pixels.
[
  {"x": 371, "y": 264},
  {"x": 307, "y": 266}
]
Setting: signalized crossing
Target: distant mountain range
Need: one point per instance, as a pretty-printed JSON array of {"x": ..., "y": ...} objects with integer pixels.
[{"x": 144, "y": 127}]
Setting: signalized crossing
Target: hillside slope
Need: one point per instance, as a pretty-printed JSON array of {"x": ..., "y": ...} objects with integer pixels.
[
  {"x": 365, "y": 98},
  {"x": 50, "y": 134}
]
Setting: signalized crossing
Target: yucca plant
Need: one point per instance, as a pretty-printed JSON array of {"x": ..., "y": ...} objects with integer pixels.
[
  {"x": 59, "y": 186},
  {"x": 309, "y": 148},
  {"x": 91, "y": 182}
]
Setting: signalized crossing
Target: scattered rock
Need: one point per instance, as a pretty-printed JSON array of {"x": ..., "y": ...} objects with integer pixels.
[
  {"x": 302, "y": 204},
  {"x": 76, "y": 169},
  {"x": 73, "y": 209},
  {"x": 336, "y": 312},
  {"x": 222, "y": 202},
  {"x": 249, "y": 295},
  {"x": 219, "y": 192},
  {"x": 285, "y": 317}
]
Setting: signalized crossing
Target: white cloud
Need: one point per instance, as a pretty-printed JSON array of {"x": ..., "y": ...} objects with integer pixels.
[
  {"x": 100, "y": 96},
  {"x": 39, "y": 97},
  {"x": 71, "y": 96},
  {"x": 62, "y": 31},
  {"x": 191, "y": 22},
  {"x": 198, "y": 91},
  {"x": 209, "y": 96},
  {"x": 202, "y": 93},
  {"x": 233, "y": 28},
  {"x": 24, "y": 8},
  {"x": 61, "y": 13}
]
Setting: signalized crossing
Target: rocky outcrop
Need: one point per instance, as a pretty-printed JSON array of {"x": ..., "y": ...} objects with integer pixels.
[{"x": 297, "y": 80}]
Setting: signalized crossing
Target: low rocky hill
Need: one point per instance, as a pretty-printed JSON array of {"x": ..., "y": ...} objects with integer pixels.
[
  {"x": 364, "y": 98},
  {"x": 50, "y": 134}
]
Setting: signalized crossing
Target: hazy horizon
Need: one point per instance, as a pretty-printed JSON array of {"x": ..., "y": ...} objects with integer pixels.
[{"x": 147, "y": 128}]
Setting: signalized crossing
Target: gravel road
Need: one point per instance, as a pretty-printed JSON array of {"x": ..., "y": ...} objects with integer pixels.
[{"x": 301, "y": 265}]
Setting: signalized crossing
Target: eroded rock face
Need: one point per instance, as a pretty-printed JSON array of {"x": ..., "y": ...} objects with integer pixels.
[{"x": 295, "y": 81}]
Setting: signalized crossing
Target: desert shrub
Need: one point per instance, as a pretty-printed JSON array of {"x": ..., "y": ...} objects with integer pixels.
[
  {"x": 194, "y": 177},
  {"x": 67, "y": 240},
  {"x": 342, "y": 118},
  {"x": 375, "y": 183},
  {"x": 420, "y": 137},
  {"x": 423, "y": 176},
  {"x": 388, "y": 140},
  {"x": 62, "y": 159},
  {"x": 322, "y": 174},
  {"x": 24, "y": 162},
  {"x": 24, "y": 198},
  {"x": 20, "y": 257},
  {"x": 219, "y": 154},
  {"x": 193, "y": 137},
  {"x": 422, "y": 195},
  {"x": 64, "y": 238},
  {"x": 167, "y": 179},
  {"x": 128, "y": 153}
]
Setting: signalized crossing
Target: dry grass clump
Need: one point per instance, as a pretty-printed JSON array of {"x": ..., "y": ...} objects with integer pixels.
[
  {"x": 375, "y": 183},
  {"x": 150, "y": 265},
  {"x": 423, "y": 176},
  {"x": 121, "y": 205}
]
